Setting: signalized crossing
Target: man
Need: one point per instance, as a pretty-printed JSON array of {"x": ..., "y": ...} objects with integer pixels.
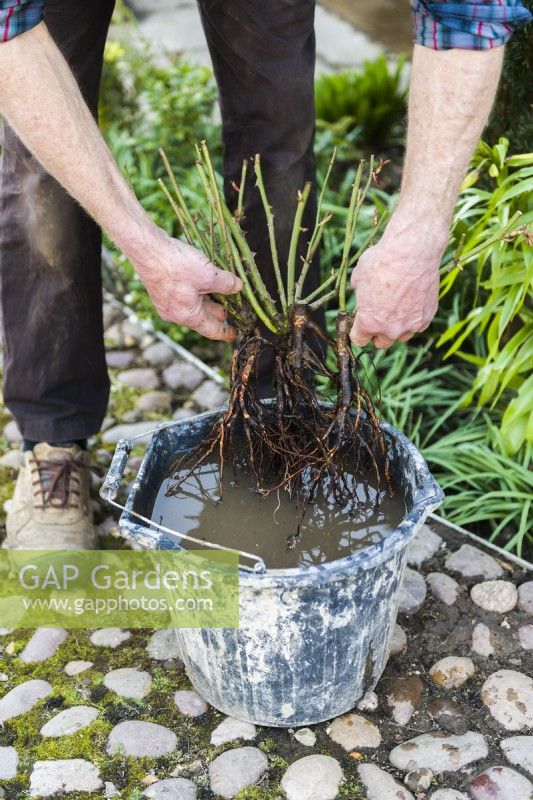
[{"x": 55, "y": 380}]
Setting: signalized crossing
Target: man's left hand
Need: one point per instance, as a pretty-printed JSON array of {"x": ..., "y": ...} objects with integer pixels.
[{"x": 397, "y": 287}]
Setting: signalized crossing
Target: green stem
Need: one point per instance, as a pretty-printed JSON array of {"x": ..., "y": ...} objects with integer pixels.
[
  {"x": 369, "y": 239},
  {"x": 308, "y": 260},
  {"x": 248, "y": 291},
  {"x": 317, "y": 292},
  {"x": 217, "y": 199},
  {"x": 322, "y": 300},
  {"x": 177, "y": 212},
  {"x": 249, "y": 262},
  {"x": 295, "y": 238},
  {"x": 459, "y": 263},
  {"x": 356, "y": 201},
  {"x": 318, "y": 230},
  {"x": 240, "y": 200},
  {"x": 271, "y": 233}
]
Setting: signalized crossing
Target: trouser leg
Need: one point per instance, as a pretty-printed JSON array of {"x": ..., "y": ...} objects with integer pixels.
[
  {"x": 55, "y": 377},
  {"x": 263, "y": 57}
]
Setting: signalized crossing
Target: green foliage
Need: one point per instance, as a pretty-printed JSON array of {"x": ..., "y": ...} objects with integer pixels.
[
  {"x": 492, "y": 328},
  {"x": 365, "y": 106},
  {"x": 424, "y": 399},
  {"x": 148, "y": 104}
]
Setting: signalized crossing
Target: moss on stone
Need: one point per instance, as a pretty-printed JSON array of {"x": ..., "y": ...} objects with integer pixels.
[{"x": 260, "y": 793}]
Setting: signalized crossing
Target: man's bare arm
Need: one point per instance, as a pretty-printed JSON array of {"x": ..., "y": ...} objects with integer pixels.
[
  {"x": 41, "y": 100},
  {"x": 397, "y": 280}
]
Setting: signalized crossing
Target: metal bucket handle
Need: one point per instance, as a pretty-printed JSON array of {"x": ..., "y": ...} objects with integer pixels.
[{"x": 111, "y": 485}]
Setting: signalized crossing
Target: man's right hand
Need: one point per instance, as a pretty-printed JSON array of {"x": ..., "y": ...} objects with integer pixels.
[{"x": 179, "y": 280}]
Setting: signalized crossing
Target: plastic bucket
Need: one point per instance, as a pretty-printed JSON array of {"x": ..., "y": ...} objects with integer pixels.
[{"x": 311, "y": 640}]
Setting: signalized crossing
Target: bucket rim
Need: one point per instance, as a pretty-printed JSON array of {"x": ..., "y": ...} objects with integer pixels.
[{"x": 426, "y": 500}]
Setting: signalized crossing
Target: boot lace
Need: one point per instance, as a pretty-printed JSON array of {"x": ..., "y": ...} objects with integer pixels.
[{"x": 57, "y": 482}]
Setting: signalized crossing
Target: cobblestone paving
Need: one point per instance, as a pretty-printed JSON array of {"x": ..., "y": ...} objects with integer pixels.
[{"x": 112, "y": 714}]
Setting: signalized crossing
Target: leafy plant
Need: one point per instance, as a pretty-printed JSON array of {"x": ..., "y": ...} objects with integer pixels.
[
  {"x": 484, "y": 489},
  {"x": 367, "y": 106},
  {"x": 493, "y": 326}
]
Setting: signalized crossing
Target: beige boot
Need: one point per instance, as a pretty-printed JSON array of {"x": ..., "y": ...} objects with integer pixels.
[{"x": 50, "y": 508}]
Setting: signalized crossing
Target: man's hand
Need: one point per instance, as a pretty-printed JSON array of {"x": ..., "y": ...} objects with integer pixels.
[
  {"x": 179, "y": 279},
  {"x": 397, "y": 287}
]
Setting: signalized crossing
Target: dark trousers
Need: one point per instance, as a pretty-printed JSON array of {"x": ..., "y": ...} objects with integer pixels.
[{"x": 55, "y": 377}]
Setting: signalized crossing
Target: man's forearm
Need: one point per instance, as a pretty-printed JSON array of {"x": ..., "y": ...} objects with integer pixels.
[
  {"x": 43, "y": 104},
  {"x": 41, "y": 100},
  {"x": 450, "y": 97},
  {"x": 397, "y": 281}
]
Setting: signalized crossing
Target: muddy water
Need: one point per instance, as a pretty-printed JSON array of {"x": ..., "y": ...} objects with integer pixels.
[
  {"x": 268, "y": 526},
  {"x": 387, "y": 22}
]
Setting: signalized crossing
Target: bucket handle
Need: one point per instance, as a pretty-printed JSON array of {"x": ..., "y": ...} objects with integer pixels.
[{"x": 111, "y": 485}]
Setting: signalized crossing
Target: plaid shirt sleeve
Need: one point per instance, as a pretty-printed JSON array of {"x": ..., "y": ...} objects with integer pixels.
[
  {"x": 471, "y": 25},
  {"x": 18, "y": 16}
]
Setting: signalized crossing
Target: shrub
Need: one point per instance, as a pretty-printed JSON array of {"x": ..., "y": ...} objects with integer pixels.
[
  {"x": 492, "y": 326},
  {"x": 367, "y": 106}
]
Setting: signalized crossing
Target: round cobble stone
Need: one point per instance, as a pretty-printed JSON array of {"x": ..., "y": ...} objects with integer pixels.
[
  {"x": 43, "y": 645},
  {"x": 209, "y": 395},
  {"x": 139, "y": 378},
  {"x": 69, "y": 721},
  {"x": 413, "y": 592},
  {"x": 60, "y": 776},
  {"x": 353, "y": 732},
  {"x": 163, "y": 645},
  {"x": 424, "y": 546},
  {"x": 159, "y": 354},
  {"x": 398, "y": 640},
  {"x": 525, "y": 636},
  {"x": 8, "y": 763},
  {"x": 140, "y": 739},
  {"x": 419, "y": 779},
  {"x": 305, "y": 736},
  {"x": 128, "y": 682},
  {"x": 525, "y": 597},
  {"x": 481, "y": 641},
  {"x": 23, "y": 698},
  {"x": 471, "y": 562},
  {"x": 77, "y": 667},
  {"x": 110, "y": 637},
  {"x": 501, "y": 783},
  {"x": 445, "y": 588},
  {"x": 439, "y": 753},
  {"x": 403, "y": 697},
  {"x": 519, "y": 751},
  {"x": 380, "y": 785},
  {"x": 236, "y": 769},
  {"x": 496, "y": 596},
  {"x": 171, "y": 789},
  {"x": 183, "y": 376},
  {"x": 315, "y": 777},
  {"x": 231, "y": 729},
  {"x": 190, "y": 703},
  {"x": 452, "y": 671},
  {"x": 509, "y": 697}
]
